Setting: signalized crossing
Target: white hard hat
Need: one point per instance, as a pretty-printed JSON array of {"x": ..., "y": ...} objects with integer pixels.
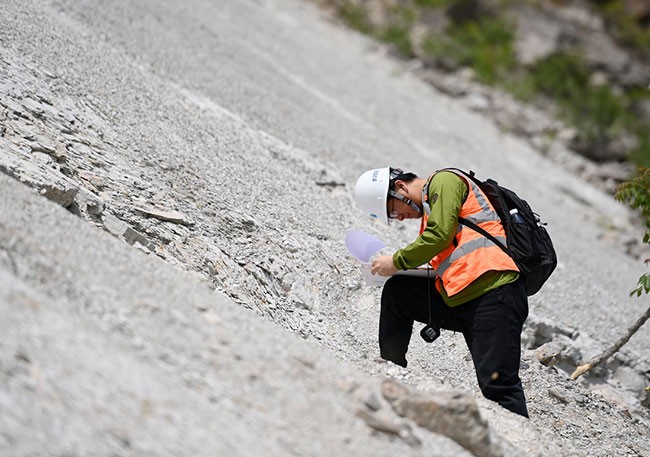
[{"x": 371, "y": 192}]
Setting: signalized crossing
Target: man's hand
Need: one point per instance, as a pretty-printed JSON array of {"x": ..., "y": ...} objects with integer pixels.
[{"x": 383, "y": 266}]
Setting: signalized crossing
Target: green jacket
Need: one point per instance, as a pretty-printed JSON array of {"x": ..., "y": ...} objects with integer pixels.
[{"x": 447, "y": 193}]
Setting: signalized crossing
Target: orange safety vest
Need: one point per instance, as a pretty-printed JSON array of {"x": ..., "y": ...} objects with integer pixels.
[{"x": 471, "y": 254}]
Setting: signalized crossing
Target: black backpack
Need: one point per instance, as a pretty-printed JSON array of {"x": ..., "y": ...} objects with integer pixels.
[{"x": 529, "y": 244}]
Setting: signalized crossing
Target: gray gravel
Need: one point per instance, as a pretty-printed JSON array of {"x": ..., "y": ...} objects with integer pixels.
[{"x": 195, "y": 296}]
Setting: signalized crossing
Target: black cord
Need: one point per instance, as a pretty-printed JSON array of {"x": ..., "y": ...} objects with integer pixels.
[
  {"x": 431, "y": 331},
  {"x": 429, "y": 293}
]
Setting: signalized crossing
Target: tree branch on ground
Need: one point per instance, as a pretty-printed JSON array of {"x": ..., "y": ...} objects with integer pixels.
[
  {"x": 582, "y": 369},
  {"x": 636, "y": 193}
]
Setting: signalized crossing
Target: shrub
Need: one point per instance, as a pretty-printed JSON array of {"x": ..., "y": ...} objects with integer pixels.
[
  {"x": 355, "y": 17},
  {"x": 485, "y": 45}
]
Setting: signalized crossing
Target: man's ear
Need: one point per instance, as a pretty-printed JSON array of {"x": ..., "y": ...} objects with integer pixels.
[{"x": 400, "y": 185}]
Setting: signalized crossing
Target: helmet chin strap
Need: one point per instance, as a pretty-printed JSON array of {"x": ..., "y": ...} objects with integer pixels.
[{"x": 406, "y": 200}]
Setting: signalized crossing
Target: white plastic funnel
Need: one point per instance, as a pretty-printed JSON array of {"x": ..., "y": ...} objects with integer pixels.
[{"x": 362, "y": 245}]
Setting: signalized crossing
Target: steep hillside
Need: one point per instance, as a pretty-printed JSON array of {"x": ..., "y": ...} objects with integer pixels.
[{"x": 176, "y": 190}]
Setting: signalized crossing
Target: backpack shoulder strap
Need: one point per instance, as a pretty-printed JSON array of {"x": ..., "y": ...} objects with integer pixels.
[
  {"x": 470, "y": 224},
  {"x": 470, "y": 174},
  {"x": 482, "y": 231}
]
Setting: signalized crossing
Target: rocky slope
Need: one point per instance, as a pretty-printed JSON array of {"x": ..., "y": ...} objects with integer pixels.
[{"x": 204, "y": 156}]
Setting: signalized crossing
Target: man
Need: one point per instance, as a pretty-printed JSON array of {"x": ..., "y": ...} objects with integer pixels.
[{"x": 475, "y": 287}]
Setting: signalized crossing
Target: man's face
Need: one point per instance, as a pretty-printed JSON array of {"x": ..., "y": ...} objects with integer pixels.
[{"x": 399, "y": 210}]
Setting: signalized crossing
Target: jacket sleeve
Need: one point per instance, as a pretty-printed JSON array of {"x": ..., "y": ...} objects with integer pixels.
[{"x": 447, "y": 193}]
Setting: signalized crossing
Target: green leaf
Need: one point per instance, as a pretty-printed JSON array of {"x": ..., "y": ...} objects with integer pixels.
[{"x": 643, "y": 286}]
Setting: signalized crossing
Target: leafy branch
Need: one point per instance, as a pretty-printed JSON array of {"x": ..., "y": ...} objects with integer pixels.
[{"x": 636, "y": 193}]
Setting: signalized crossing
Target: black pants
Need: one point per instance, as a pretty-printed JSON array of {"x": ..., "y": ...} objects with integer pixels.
[{"x": 491, "y": 325}]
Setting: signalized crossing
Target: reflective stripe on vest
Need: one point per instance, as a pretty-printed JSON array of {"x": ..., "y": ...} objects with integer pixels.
[
  {"x": 472, "y": 254},
  {"x": 465, "y": 249}
]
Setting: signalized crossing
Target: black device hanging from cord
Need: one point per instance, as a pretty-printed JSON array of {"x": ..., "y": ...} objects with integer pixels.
[{"x": 431, "y": 331}]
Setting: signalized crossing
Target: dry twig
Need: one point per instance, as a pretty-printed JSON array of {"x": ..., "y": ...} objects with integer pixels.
[{"x": 582, "y": 369}]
